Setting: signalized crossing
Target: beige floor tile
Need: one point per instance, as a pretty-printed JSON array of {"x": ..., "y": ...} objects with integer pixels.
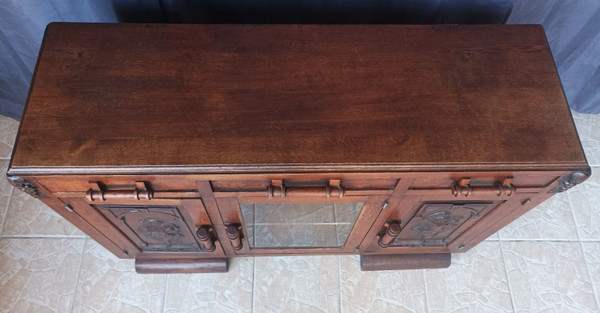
[
  {"x": 494, "y": 237},
  {"x": 475, "y": 282},
  {"x": 5, "y": 191},
  {"x": 548, "y": 277},
  {"x": 585, "y": 200},
  {"x": 591, "y": 251},
  {"x": 551, "y": 220},
  {"x": 218, "y": 292},
  {"x": 8, "y": 132},
  {"x": 39, "y": 275},
  {"x": 109, "y": 284},
  {"x": 28, "y": 216},
  {"x": 588, "y": 127},
  {"x": 380, "y": 291},
  {"x": 296, "y": 284}
]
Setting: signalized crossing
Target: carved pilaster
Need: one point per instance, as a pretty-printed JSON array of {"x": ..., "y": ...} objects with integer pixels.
[
  {"x": 25, "y": 186},
  {"x": 568, "y": 182}
]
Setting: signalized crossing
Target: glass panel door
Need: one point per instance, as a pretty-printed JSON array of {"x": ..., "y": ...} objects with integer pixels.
[{"x": 299, "y": 225}]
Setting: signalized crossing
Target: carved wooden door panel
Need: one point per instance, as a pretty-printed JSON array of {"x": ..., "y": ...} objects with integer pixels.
[
  {"x": 431, "y": 225},
  {"x": 437, "y": 224},
  {"x": 171, "y": 226},
  {"x": 154, "y": 228}
]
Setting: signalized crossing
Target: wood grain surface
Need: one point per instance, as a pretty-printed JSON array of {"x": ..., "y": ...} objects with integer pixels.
[{"x": 247, "y": 96}]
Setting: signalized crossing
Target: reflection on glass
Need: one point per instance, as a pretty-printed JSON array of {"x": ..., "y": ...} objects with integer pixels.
[{"x": 278, "y": 225}]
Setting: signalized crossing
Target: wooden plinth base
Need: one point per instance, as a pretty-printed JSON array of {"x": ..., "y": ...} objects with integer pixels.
[
  {"x": 404, "y": 261},
  {"x": 182, "y": 265}
]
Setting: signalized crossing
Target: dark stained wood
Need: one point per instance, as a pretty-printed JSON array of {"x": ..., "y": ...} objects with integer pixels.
[
  {"x": 180, "y": 265},
  {"x": 150, "y": 137},
  {"x": 205, "y": 238},
  {"x": 259, "y": 181},
  {"x": 392, "y": 230},
  {"x": 250, "y": 97},
  {"x": 234, "y": 236},
  {"x": 99, "y": 222},
  {"x": 404, "y": 261},
  {"x": 504, "y": 215}
]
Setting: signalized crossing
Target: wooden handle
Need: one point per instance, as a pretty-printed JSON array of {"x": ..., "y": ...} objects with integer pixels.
[
  {"x": 332, "y": 190},
  {"x": 205, "y": 238},
  {"x": 464, "y": 188},
  {"x": 141, "y": 191},
  {"x": 392, "y": 230},
  {"x": 233, "y": 233}
]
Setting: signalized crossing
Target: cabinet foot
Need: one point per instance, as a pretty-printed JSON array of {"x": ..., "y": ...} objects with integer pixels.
[
  {"x": 180, "y": 265},
  {"x": 380, "y": 262}
]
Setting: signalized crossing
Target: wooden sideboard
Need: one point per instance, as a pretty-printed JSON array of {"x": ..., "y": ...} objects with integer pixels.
[{"x": 185, "y": 145}]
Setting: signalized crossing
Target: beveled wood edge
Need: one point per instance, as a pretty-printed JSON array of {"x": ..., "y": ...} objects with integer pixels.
[
  {"x": 26, "y": 106},
  {"x": 294, "y": 168}
]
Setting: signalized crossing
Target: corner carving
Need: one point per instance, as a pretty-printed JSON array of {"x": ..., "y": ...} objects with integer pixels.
[
  {"x": 568, "y": 182},
  {"x": 25, "y": 186}
]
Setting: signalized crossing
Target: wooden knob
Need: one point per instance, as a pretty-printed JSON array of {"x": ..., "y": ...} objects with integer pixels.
[
  {"x": 392, "y": 231},
  {"x": 204, "y": 236},
  {"x": 233, "y": 233}
]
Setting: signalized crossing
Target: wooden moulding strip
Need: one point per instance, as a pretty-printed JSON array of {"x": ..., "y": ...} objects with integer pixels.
[
  {"x": 180, "y": 265},
  {"x": 404, "y": 261}
]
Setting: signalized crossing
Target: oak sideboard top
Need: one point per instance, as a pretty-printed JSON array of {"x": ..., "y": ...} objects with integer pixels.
[{"x": 138, "y": 97}]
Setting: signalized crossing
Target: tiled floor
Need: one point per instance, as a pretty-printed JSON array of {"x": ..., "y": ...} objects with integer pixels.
[{"x": 547, "y": 261}]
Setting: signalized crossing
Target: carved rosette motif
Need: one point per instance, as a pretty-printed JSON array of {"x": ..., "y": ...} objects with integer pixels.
[
  {"x": 25, "y": 186},
  {"x": 436, "y": 224},
  {"x": 153, "y": 228},
  {"x": 160, "y": 230},
  {"x": 568, "y": 182}
]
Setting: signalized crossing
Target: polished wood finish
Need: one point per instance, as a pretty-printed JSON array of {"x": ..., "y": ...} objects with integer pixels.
[
  {"x": 151, "y": 138},
  {"x": 248, "y": 97},
  {"x": 385, "y": 262},
  {"x": 392, "y": 230}
]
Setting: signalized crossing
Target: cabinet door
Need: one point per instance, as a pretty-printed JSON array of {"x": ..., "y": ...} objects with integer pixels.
[
  {"x": 298, "y": 218},
  {"x": 429, "y": 225},
  {"x": 153, "y": 226},
  {"x": 437, "y": 224}
]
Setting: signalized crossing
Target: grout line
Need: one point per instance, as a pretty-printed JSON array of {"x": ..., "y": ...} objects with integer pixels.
[
  {"x": 78, "y": 274},
  {"x": 337, "y": 234},
  {"x": 253, "y": 283},
  {"x": 573, "y": 216},
  {"x": 587, "y": 267},
  {"x": 539, "y": 240},
  {"x": 425, "y": 287},
  {"x": 10, "y": 196},
  {"x": 164, "y": 302},
  {"x": 43, "y": 237},
  {"x": 512, "y": 301},
  {"x": 339, "y": 283},
  {"x": 585, "y": 261}
]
